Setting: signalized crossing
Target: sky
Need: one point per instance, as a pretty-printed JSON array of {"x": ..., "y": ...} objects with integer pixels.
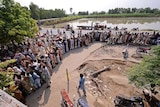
[{"x": 90, "y": 5}]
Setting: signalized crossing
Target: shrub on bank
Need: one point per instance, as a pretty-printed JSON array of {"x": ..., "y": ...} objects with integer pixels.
[
  {"x": 6, "y": 77},
  {"x": 7, "y": 62}
]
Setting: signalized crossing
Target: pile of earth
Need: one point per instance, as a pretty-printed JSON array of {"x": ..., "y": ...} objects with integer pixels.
[{"x": 109, "y": 83}]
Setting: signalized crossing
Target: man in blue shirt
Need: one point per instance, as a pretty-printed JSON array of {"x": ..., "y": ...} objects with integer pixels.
[{"x": 81, "y": 84}]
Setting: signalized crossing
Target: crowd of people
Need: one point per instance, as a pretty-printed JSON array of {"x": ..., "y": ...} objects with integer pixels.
[
  {"x": 124, "y": 36},
  {"x": 132, "y": 37},
  {"x": 37, "y": 57}
]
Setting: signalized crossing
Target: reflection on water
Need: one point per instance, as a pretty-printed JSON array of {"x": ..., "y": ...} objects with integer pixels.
[{"x": 141, "y": 22}]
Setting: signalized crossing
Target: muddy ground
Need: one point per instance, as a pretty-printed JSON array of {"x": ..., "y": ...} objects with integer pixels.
[{"x": 113, "y": 81}]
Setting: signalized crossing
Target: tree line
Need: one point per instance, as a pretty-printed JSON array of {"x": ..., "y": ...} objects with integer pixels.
[
  {"x": 155, "y": 11},
  {"x": 41, "y": 13},
  {"x": 133, "y": 10}
]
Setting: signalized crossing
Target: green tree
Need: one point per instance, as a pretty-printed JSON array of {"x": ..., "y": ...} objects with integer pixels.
[
  {"x": 148, "y": 71},
  {"x": 156, "y": 11},
  {"x": 46, "y": 14},
  {"x": 148, "y": 10},
  {"x": 41, "y": 13},
  {"x": 128, "y": 10},
  {"x": 35, "y": 13},
  {"x": 15, "y": 23},
  {"x": 102, "y": 12},
  {"x": 71, "y": 9},
  {"x": 134, "y": 10}
]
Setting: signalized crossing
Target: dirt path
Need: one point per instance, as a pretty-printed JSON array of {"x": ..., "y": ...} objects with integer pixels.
[{"x": 51, "y": 97}]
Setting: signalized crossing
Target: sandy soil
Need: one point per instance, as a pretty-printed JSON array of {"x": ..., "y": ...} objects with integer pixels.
[
  {"x": 111, "y": 82},
  {"x": 89, "y": 59}
]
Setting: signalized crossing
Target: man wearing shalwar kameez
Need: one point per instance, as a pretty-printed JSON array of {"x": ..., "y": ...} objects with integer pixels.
[{"x": 46, "y": 76}]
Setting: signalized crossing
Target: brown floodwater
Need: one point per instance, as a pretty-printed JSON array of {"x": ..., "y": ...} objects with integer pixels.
[{"x": 132, "y": 22}]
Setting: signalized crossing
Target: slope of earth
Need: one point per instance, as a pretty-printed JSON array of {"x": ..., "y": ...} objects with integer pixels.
[{"x": 110, "y": 83}]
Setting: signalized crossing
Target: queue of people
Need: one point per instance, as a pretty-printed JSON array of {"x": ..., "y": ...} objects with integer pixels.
[{"x": 37, "y": 58}]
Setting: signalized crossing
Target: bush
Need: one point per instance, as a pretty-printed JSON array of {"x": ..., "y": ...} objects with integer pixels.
[
  {"x": 7, "y": 62},
  {"x": 147, "y": 72}
]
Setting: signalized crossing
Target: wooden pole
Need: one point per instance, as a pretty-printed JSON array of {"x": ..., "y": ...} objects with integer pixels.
[{"x": 67, "y": 80}]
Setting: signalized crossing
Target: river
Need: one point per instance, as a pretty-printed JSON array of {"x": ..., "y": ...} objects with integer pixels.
[
  {"x": 132, "y": 22},
  {"x": 143, "y": 23}
]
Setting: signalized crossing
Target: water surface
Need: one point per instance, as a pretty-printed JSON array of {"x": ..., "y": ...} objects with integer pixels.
[{"x": 133, "y": 22}]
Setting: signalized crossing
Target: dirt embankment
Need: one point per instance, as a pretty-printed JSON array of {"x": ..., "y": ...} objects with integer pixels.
[{"x": 111, "y": 82}]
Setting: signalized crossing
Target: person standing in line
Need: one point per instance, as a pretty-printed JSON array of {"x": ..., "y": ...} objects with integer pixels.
[
  {"x": 78, "y": 42},
  {"x": 46, "y": 76},
  {"x": 72, "y": 43},
  {"x": 81, "y": 84},
  {"x": 47, "y": 61},
  {"x": 36, "y": 78},
  {"x": 51, "y": 32},
  {"x": 69, "y": 44},
  {"x": 75, "y": 42},
  {"x": 66, "y": 45},
  {"x": 125, "y": 52},
  {"x": 80, "y": 32}
]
